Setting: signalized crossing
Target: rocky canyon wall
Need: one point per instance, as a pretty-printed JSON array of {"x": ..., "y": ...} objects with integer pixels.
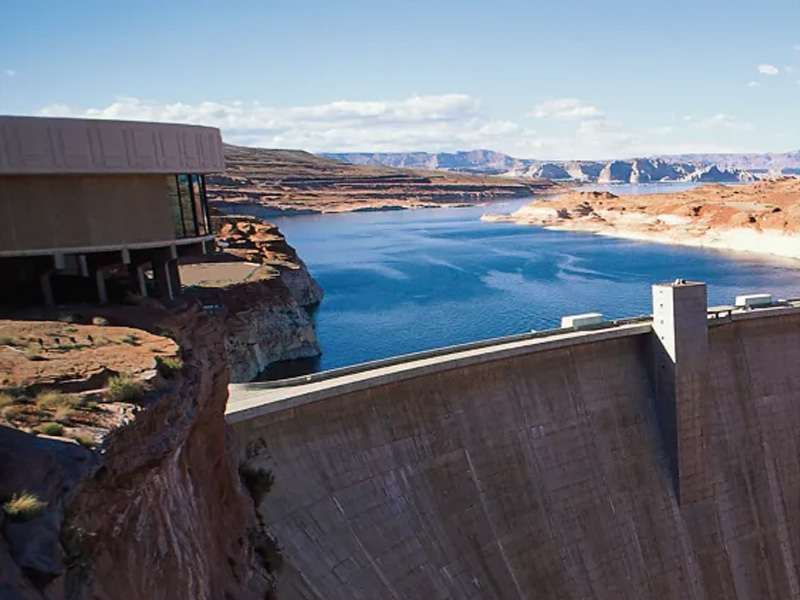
[
  {"x": 543, "y": 475},
  {"x": 157, "y": 512}
]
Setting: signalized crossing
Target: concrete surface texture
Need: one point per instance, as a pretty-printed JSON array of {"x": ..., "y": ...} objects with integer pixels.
[
  {"x": 43, "y": 145},
  {"x": 544, "y": 473}
]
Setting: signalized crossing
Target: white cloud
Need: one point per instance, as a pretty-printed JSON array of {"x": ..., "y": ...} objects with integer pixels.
[
  {"x": 565, "y": 109},
  {"x": 721, "y": 122},
  {"x": 766, "y": 69},
  {"x": 753, "y": 84},
  {"x": 447, "y": 122},
  {"x": 788, "y": 69},
  {"x": 9, "y": 72}
]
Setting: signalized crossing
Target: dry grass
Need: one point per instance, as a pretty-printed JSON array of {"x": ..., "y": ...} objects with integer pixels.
[
  {"x": 130, "y": 339},
  {"x": 124, "y": 388},
  {"x": 50, "y": 428},
  {"x": 13, "y": 412},
  {"x": 6, "y": 399},
  {"x": 169, "y": 365},
  {"x": 63, "y": 414},
  {"x": 83, "y": 438},
  {"x": 24, "y": 506},
  {"x": 52, "y": 400},
  {"x": 34, "y": 352}
]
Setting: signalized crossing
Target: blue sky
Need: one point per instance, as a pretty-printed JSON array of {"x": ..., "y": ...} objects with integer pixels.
[{"x": 556, "y": 79}]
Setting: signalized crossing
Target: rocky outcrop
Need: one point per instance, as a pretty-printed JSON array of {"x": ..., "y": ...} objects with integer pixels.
[
  {"x": 254, "y": 240},
  {"x": 762, "y": 217},
  {"x": 712, "y": 173},
  {"x": 262, "y": 291},
  {"x": 158, "y": 511}
]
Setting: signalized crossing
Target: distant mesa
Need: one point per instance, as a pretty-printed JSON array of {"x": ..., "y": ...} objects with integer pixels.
[{"x": 705, "y": 168}]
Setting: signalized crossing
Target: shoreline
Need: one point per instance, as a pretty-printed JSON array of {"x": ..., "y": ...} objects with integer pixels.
[
  {"x": 762, "y": 218},
  {"x": 740, "y": 240}
]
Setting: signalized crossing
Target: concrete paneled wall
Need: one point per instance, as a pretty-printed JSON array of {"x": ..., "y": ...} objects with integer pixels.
[
  {"x": 542, "y": 476},
  {"x": 31, "y": 145},
  {"x": 63, "y": 211}
]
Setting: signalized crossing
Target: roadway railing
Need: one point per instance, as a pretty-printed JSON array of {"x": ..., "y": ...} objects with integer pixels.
[{"x": 405, "y": 358}]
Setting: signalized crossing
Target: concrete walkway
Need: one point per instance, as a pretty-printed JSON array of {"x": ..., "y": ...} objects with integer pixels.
[{"x": 252, "y": 400}]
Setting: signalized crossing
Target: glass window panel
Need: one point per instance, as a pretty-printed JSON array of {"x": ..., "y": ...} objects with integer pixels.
[
  {"x": 185, "y": 190},
  {"x": 199, "y": 202},
  {"x": 175, "y": 205}
]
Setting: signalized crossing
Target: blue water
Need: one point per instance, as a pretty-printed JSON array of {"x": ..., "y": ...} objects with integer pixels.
[{"x": 399, "y": 282}]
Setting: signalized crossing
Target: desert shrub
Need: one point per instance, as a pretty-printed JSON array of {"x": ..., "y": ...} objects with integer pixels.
[
  {"x": 68, "y": 318},
  {"x": 131, "y": 339},
  {"x": 34, "y": 352},
  {"x": 100, "y": 321},
  {"x": 7, "y": 341},
  {"x": 24, "y": 506},
  {"x": 50, "y": 428},
  {"x": 169, "y": 365},
  {"x": 257, "y": 481},
  {"x": 124, "y": 388}
]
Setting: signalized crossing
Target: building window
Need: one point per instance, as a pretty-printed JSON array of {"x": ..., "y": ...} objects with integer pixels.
[
  {"x": 200, "y": 204},
  {"x": 175, "y": 205},
  {"x": 187, "y": 193},
  {"x": 187, "y": 206}
]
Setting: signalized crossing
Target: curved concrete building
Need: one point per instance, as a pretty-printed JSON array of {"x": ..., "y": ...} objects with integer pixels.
[{"x": 96, "y": 198}]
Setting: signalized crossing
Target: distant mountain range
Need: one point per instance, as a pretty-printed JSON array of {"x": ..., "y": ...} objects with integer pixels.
[{"x": 685, "y": 167}]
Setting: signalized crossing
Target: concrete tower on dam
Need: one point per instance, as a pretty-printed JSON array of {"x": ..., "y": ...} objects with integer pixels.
[{"x": 646, "y": 459}]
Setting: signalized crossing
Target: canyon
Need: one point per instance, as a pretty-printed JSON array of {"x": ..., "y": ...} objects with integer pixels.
[
  {"x": 762, "y": 217},
  {"x": 266, "y": 182}
]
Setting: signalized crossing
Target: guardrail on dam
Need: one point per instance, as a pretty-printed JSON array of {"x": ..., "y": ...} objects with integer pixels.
[{"x": 655, "y": 459}]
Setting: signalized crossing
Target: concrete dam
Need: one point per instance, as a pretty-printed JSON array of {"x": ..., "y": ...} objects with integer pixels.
[{"x": 657, "y": 458}]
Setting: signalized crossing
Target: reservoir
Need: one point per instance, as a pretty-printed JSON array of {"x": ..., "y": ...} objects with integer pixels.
[{"x": 403, "y": 281}]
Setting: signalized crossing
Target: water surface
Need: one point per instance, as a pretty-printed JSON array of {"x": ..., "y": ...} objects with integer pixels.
[{"x": 403, "y": 281}]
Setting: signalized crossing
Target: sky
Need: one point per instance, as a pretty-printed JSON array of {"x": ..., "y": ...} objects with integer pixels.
[{"x": 562, "y": 79}]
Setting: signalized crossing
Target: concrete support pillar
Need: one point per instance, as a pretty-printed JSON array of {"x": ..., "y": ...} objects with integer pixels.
[
  {"x": 174, "y": 277},
  {"x": 680, "y": 324},
  {"x": 83, "y": 265},
  {"x": 137, "y": 273},
  {"x": 47, "y": 288},
  {"x": 161, "y": 274},
  {"x": 100, "y": 282}
]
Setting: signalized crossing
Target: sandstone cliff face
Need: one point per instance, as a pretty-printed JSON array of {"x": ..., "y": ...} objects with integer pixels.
[
  {"x": 267, "y": 317},
  {"x": 263, "y": 324},
  {"x": 157, "y": 512}
]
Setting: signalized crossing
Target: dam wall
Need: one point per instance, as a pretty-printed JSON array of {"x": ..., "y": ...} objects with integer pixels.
[{"x": 541, "y": 470}]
